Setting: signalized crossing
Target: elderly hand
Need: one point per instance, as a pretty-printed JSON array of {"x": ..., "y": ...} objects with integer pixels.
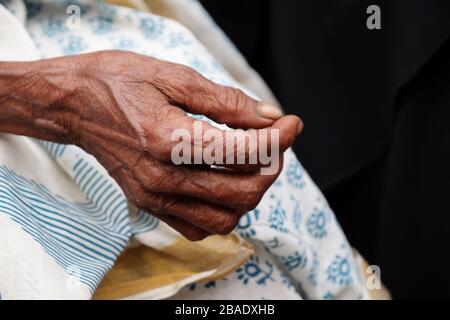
[{"x": 123, "y": 108}]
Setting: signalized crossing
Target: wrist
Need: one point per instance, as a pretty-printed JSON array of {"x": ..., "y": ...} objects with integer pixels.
[{"x": 35, "y": 99}]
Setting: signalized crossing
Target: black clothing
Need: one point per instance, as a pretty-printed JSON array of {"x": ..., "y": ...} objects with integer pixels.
[{"x": 376, "y": 107}]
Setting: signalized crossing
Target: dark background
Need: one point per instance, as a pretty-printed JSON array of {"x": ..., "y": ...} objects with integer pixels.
[{"x": 376, "y": 108}]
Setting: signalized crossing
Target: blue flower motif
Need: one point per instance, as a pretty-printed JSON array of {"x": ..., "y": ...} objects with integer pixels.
[
  {"x": 274, "y": 243},
  {"x": 328, "y": 296},
  {"x": 53, "y": 26},
  {"x": 101, "y": 24},
  {"x": 317, "y": 223},
  {"x": 286, "y": 281},
  {"x": 198, "y": 65},
  {"x": 177, "y": 39},
  {"x": 151, "y": 27},
  {"x": 297, "y": 215},
  {"x": 277, "y": 218},
  {"x": 294, "y": 261},
  {"x": 72, "y": 45},
  {"x": 245, "y": 226},
  {"x": 313, "y": 272},
  {"x": 295, "y": 175},
  {"x": 253, "y": 270},
  {"x": 207, "y": 285},
  {"x": 338, "y": 272},
  {"x": 123, "y": 43}
]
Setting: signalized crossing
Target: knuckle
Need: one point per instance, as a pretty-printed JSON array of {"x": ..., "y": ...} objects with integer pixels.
[
  {"x": 173, "y": 78},
  {"x": 239, "y": 99},
  {"x": 153, "y": 179},
  {"x": 138, "y": 197},
  {"x": 194, "y": 235},
  {"x": 165, "y": 152},
  {"x": 250, "y": 196},
  {"x": 228, "y": 224},
  {"x": 155, "y": 204},
  {"x": 184, "y": 75},
  {"x": 251, "y": 202},
  {"x": 161, "y": 146},
  {"x": 170, "y": 206}
]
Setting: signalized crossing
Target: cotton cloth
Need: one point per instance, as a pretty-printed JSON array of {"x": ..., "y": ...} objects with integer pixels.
[{"x": 64, "y": 221}]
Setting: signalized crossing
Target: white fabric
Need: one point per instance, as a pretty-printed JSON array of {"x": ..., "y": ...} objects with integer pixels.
[{"x": 56, "y": 199}]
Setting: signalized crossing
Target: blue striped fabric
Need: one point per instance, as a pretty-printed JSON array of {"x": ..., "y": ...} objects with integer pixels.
[
  {"x": 107, "y": 204},
  {"x": 56, "y": 150},
  {"x": 104, "y": 194},
  {"x": 84, "y": 238},
  {"x": 101, "y": 191},
  {"x": 143, "y": 222},
  {"x": 75, "y": 239}
]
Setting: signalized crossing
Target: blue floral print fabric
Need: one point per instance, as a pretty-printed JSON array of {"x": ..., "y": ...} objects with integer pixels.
[{"x": 300, "y": 249}]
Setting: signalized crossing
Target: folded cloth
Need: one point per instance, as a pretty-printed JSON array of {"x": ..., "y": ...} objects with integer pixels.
[{"x": 64, "y": 221}]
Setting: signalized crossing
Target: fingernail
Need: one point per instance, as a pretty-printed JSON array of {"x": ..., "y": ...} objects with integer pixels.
[
  {"x": 269, "y": 111},
  {"x": 300, "y": 127}
]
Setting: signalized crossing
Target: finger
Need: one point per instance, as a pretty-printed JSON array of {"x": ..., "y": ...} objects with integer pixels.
[
  {"x": 139, "y": 197},
  {"x": 197, "y": 142},
  {"x": 270, "y": 143},
  {"x": 188, "y": 230},
  {"x": 237, "y": 190},
  {"x": 192, "y": 92},
  {"x": 210, "y": 217}
]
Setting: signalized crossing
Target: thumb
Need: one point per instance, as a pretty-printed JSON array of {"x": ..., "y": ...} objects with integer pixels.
[{"x": 198, "y": 95}]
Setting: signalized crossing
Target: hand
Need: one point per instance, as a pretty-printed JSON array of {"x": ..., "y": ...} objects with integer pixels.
[{"x": 123, "y": 107}]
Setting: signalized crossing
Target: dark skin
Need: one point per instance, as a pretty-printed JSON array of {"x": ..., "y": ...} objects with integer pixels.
[{"x": 122, "y": 107}]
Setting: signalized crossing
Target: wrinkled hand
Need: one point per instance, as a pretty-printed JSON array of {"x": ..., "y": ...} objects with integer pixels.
[{"x": 127, "y": 107}]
